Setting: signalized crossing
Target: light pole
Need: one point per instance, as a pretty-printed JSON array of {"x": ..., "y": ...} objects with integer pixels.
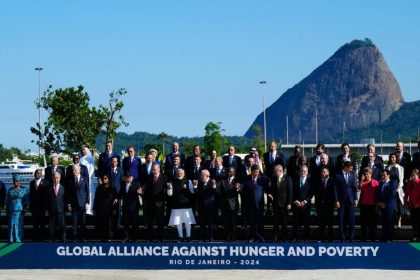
[
  {"x": 316, "y": 100},
  {"x": 39, "y": 69},
  {"x": 265, "y": 120},
  {"x": 287, "y": 129}
]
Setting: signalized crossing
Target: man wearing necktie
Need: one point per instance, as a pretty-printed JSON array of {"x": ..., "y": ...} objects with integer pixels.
[
  {"x": 132, "y": 163},
  {"x": 388, "y": 205},
  {"x": 345, "y": 197},
  {"x": 302, "y": 196},
  {"x": 78, "y": 203},
  {"x": 253, "y": 190},
  {"x": 54, "y": 167},
  {"x": 281, "y": 193},
  {"x": 272, "y": 158},
  {"x": 325, "y": 201},
  {"x": 104, "y": 161},
  {"x": 55, "y": 196},
  {"x": 37, "y": 192}
]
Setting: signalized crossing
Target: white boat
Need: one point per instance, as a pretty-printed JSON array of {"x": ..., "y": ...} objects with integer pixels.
[{"x": 25, "y": 168}]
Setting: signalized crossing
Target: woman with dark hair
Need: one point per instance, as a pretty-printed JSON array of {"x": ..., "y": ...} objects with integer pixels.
[
  {"x": 397, "y": 175},
  {"x": 368, "y": 200},
  {"x": 412, "y": 201},
  {"x": 105, "y": 203},
  {"x": 16, "y": 206}
]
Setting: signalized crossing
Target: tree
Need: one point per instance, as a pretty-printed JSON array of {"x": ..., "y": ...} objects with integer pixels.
[
  {"x": 163, "y": 137},
  {"x": 72, "y": 122},
  {"x": 213, "y": 138}
]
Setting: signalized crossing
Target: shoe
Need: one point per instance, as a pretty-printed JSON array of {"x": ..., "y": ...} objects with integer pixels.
[
  {"x": 125, "y": 240},
  {"x": 187, "y": 239}
]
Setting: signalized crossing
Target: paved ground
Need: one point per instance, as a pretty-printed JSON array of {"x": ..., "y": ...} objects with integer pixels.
[{"x": 209, "y": 274}]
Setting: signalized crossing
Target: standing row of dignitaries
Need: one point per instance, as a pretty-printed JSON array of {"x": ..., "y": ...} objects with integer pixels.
[{"x": 191, "y": 188}]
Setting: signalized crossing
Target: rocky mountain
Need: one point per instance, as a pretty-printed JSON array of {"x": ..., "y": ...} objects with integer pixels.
[{"x": 354, "y": 86}]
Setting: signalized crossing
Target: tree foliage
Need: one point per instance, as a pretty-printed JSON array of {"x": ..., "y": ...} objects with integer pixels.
[
  {"x": 73, "y": 122},
  {"x": 213, "y": 138}
]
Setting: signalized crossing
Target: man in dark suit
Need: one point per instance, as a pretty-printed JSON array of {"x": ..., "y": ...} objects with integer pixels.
[
  {"x": 345, "y": 156},
  {"x": 129, "y": 194},
  {"x": 37, "y": 192},
  {"x": 315, "y": 161},
  {"x": 55, "y": 200},
  {"x": 253, "y": 189},
  {"x": 191, "y": 160},
  {"x": 146, "y": 169},
  {"x": 325, "y": 163},
  {"x": 404, "y": 159},
  {"x": 154, "y": 195},
  {"x": 83, "y": 170},
  {"x": 78, "y": 202},
  {"x": 54, "y": 167},
  {"x": 132, "y": 163},
  {"x": 293, "y": 161},
  {"x": 207, "y": 193},
  {"x": 169, "y": 157},
  {"x": 194, "y": 170},
  {"x": 232, "y": 160},
  {"x": 171, "y": 172},
  {"x": 302, "y": 195},
  {"x": 280, "y": 193},
  {"x": 104, "y": 161},
  {"x": 377, "y": 168},
  {"x": 324, "y": 191},
  {"x": 387, "y": 205},
  {"x": 378, "y": 161},
  {"x": 346, "y": 199},
  {"x": 116, "y": 180},
  {"x": 218, "y": 173},
  {"x": 272, "y": 158},
  {"x": 229, "y": 187}
]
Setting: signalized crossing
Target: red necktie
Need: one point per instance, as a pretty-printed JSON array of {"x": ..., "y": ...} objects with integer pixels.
[{"x": 56, "y": 190}]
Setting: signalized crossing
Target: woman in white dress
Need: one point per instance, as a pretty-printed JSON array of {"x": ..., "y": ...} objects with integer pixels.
[
  {"x": 181, "y": 193},
  {"x": 87, "y": 160},
  {"x": 397, "y": 174}
]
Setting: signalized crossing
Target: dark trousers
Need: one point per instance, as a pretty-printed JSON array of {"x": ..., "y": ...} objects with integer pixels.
[
  {"x": 346, "y": 221},
  {"x": 155, "y": 215},
  {"x": 368, "y": 221},
  {"x": 38, "y": 223},
  {"x": 229, "y": 223},
  {"x": 301, "y": 217},
  {"x": 325, "y": 215},
  {"x": 130, "y": 220},
  {"x": 244, "y": 211},
  {"x": 57, "y": 226},
  {"x": 116, "y": 220},
  {"x": 256, "y": 222},
  {"x": 388, "y": 220},
  {"x": 103, "y": 226},
  {"x": 78, "y": 217},
  {"x": 415, "y": 221},
  {"x": 279, "y": 219},
  {"x": 207, "y": 221}
]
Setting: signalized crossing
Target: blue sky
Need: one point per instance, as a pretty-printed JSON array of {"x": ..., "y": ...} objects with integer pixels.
[{"x": 186, "y": 63}]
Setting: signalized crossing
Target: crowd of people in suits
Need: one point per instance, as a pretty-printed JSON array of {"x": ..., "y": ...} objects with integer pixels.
[{"x": 184, "y": 191}]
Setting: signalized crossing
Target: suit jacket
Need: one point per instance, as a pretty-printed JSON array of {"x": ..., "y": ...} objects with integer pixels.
[
  {"x": 388, "y": 194},
  {"x": 78, "y": 195},
  {"x": 282, "y": 193},
  {"x": 325, "y": 192},
  {"x": 171, "y": 173},
  {"x": 269, "y": 165},
  {"x": 192, "y": 174},
  {"x": 130, "y": 198},
  {"x": 207, "y": 196},
  {"x": 301, "y": 193},
  {"x": 236, "y": 162},
  {"x": 292, "y": 164},
  {"x": 254, "y": 194},
  {"x": 2, "y": 194},
  {"x": 37, "y": 196},
  {"x": 415, "y": 163},
  {"x": 55, "y": 204},
  {"x": 104, "y": 162},
  {"x": 243, "y": 173},
  {"x": 189, "y": 163},
  {"x": 229, "y": 194},
  {"x": 405, "y": 162},
  {"x": 132, "y": 166},
  {"x": 168, "y": 160},
  {"x": 377, "y": 162},
  {"x": 217, "y": 175},
  {"x": 84, "y": 172},
  {"x": 116, "y": 178},
  {"x": 143, "y": 176},
  {"x": 154, "y": 192},
  {"x": 49, "y": 174},
  {"x": 345, "y": 192},
  {"x": 339, "y": 161}
]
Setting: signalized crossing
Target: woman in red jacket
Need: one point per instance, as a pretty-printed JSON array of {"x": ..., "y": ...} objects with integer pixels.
[
  {"x": 412, "y": 201},
  {"x": 368, "y": 200}
]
